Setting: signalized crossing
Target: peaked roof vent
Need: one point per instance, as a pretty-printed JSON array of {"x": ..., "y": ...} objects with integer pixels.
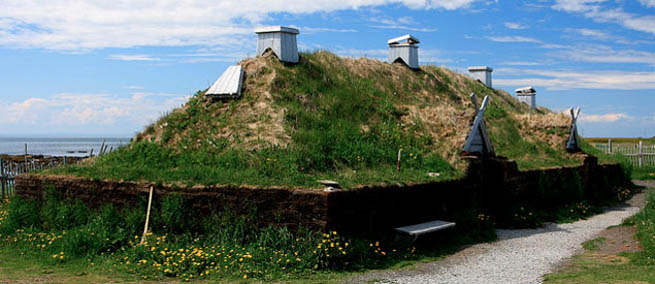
[
  {"x": 482, "y": 74},
  {"x": 404, "y": 49},
  {"x": 281, "y": 40}
]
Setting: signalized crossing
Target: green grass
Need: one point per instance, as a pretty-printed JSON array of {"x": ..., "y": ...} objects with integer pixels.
[
  {"x": 645, "y": 222},
  {"x": 591, "y": 271},
  {"x": 344, "y": 123},
  {"x": 592, "y": 245},
  {"x": 643, "y": 173},
  {"x": 61, "y": 236},
  {"x": 618, "y": 140},
  {"x": 639, "y": 267}
]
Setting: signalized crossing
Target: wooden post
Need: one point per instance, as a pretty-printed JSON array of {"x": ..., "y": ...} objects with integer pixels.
[
  {"x": 91, "y": 155},
  {"x": 641, "y": 154},
  {"x": 25, "y": 152},
  {"x": 2, "y": 178},
  {"x": 102, "y": 148},
  {"x": 399, "y": 151},
  {"x": 609, "y": 146},
  {"x": 145, "y": 228}
]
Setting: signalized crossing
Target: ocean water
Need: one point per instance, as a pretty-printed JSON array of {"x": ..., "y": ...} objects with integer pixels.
[{"x": 58, "y": 146}]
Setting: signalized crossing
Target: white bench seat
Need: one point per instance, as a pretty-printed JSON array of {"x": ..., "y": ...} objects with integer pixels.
[{"x": 424, "y": 228}]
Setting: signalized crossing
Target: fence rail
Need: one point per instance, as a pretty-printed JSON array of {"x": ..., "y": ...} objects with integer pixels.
[
  {"x": 10, "y": 169},
  {"x": 639, "y": 155}
]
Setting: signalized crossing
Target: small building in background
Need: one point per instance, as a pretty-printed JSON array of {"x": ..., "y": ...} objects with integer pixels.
[
  {"x": 482, "y": 74},
  {"x": 280, "y": 40},
  {"x": 527, "y": 95},
  {"x": 405, "y": 50}
]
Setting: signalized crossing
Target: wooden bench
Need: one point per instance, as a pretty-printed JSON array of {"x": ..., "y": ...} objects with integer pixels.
[{"x": 414, "y": 231}]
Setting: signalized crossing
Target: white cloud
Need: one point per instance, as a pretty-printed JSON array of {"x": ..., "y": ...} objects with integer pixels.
[
  {"x": 520, "y": 63},
  {"x": 403, "y": 23},
  {"x": 553, "y": 46},
  {"x": 515, "y": 26},
  {"x": 604, "y": 54},
  {"x": 329, "y": 30},
  {"x": 575, "y": 5},
  {"x": 66, "y": 111},
  {"x": 91, "y": 24},
  {"x": 610, "y": 117},
  {"x": 401, "y": 27},
  {"x": 648, "y": 3},
  {"x": 593, "y": 9},
  {"x": 571, "y": 80},
  {"x": 597, "y": 34},
  {"x": 512, "y": 39},
  {"x": 133, "y": 57}
]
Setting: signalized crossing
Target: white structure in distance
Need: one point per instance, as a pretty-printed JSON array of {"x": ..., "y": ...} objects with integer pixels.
[
  {"x": 527, "y": 95},
  {"x": 482, "y": 74},
  {"x": 404, "y": 49},
  {"x": 281, "y": 40}
]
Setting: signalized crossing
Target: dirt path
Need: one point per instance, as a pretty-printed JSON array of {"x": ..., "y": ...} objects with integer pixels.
[{"x": 519, "y": 256}]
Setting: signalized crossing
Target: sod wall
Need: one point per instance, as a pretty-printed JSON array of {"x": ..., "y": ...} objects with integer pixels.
[{"x": 494, "y": 187}]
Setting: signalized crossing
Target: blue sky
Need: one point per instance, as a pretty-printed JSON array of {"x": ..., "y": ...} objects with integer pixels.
[{"x": 108, "y": 68}]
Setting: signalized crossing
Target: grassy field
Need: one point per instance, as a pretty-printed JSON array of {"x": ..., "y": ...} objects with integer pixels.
[
  {"x": 619, "y": 140},
  {"x": 622, "y": 267},
  {"x": 60, "y": 239},
  {"x": 332, "y": 118},
  {"x": 643, "y": 173}
]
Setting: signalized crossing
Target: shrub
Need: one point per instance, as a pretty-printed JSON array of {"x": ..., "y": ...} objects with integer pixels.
[{"x": 21, "y": 213}]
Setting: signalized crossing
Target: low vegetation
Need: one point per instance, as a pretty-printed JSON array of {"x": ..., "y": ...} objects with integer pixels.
[
  {"x": 624, "y": 267},
  {"x": 604, "y": 140},
  {"x": 62, "y": 232},
  {"x": 643, "y": 173},
  {"x": 332, "y": 118},
  {"x": 645, "y": 223}
]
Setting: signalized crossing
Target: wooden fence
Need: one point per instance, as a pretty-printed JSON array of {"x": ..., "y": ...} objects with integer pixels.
[
  {"x": 640, "y": 155},
  {"x": 10, "y": 169}
]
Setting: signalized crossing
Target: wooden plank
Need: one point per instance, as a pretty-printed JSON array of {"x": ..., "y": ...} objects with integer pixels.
[
  {"x": 424, "y": 228},
  {"x": 478, "y": 132},
  {"x": 228, "y": 85},
  {"x": 2, "y": 178}
]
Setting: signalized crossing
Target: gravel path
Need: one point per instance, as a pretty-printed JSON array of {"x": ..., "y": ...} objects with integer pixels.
[{"x": 519, "y": 256}]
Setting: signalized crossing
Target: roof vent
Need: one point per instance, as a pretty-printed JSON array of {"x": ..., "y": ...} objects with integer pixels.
[
  {"x": 527, "y": 95},
  {"x": 482, "y": 74},
  {"x": 280, "y": 40},
  {"x": 404, "y": 49}
]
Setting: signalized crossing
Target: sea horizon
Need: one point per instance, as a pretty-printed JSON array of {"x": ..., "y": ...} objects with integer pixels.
[{"x": 59, "y": 146}]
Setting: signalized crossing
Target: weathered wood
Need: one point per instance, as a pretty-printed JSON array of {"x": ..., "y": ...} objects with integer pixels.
[
  {"x": 399, "y": 152},
  {"x": 482, "y": 74},
  {"x": 404, "y": 49},
  {"x": 102, "y": 148},
  {"x": 228, "y": 85},
  {"x": 478, "y": 139},
  {"x": 573, "y": 144},
  {"x": 641, "y": 153},
  {"x": 643, "y": 156},
  {"x": 2, "y": 178},
  {"x": 281, "y": 40},
  {"x": 145, "y": 228},
  {"x": 424, "y": 228}
]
